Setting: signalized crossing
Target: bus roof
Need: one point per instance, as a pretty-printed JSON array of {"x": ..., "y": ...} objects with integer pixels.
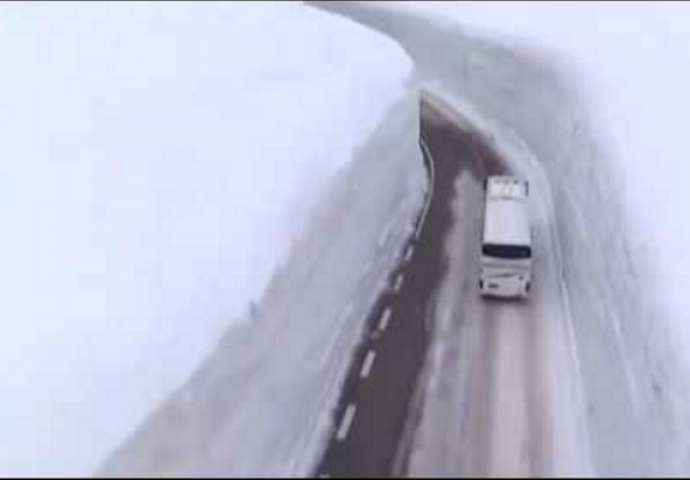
[
  {"x": 506, "y": 220},
  {"x": 505, "y": 186}
]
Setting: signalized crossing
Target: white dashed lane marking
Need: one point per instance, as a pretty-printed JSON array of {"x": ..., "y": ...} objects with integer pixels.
[
  {"x": 385, "y": 318},
  {"x": 346, "y": 422},
  {"x": 398, "y": 283},
  {"x": 368, "y": 363},
  {"x": 408, "y": 254}
]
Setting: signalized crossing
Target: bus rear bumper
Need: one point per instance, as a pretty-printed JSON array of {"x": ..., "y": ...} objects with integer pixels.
[{"x": 504, "y": 287}]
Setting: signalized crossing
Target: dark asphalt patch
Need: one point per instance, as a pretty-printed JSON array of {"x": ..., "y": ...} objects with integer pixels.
[{"x": 385, "y": 398}]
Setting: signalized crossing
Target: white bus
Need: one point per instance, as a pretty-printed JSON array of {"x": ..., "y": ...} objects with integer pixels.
[{"x": 506, "y": 267}]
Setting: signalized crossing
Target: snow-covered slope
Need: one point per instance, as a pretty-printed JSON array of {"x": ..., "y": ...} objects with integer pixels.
[
  {"x": 628, "y": 65},
  {"x": 158, "y": 163},
  {"x": 262, "y": 404},
  {"x": 592, "y": 93}
]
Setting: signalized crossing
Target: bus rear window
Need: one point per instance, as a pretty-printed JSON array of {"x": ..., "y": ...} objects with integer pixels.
[{"x": 512, "y": 252}]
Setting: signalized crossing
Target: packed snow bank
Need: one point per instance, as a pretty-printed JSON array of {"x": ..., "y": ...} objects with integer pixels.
[
  {"x": 262, "y": 404},
  {"x": 158, "y": 163},
  {"x": 592, "y": 93}
]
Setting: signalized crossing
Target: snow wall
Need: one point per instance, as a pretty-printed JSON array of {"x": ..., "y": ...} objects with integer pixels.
[{"x": 261, "y": 404}]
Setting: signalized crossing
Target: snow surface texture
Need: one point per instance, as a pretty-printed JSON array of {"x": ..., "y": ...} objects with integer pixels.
[
  {"x": 262, "y": 404},
  {"x": 157, "y": 164},
  {"x": 604, "y": 129}
]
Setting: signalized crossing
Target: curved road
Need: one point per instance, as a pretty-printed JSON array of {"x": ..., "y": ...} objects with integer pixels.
[
  {"x": 502, "y": 396},
  {"x": 377, "y": 398}
]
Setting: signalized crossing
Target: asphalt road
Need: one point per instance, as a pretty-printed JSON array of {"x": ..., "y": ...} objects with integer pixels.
[
  {"x": 375, "y": 412},
  {"x": 500, "y": 394}
]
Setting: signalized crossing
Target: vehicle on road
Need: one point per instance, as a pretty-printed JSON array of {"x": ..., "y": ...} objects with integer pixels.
[{"x": 506, "y": 262}]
